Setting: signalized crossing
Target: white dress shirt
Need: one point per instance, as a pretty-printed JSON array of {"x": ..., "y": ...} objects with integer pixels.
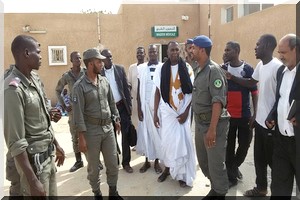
[
  {"x": 285, "y": 127},
  {"x": 110, "y": 75}
]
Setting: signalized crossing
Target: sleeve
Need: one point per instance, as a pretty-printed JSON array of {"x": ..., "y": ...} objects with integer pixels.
[
  {"x": 191, "y": 72},
  {"x": 59, "y": 88},
  {"x": 14, "y": 122},
  {"x": 78, "y": 107},
  {"x": 255, "y": 74},
  {"x": 130, "y": 76},
  {"x": 249, "y": 72},
  {"x": 218, "y": 85},
  {"x": 126, "y": 89}
]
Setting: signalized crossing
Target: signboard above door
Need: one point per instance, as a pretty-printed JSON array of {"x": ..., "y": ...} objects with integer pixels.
[{"x": 164, "y": 31}]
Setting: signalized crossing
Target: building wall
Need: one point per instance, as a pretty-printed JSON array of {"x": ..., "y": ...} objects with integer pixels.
[
  {"x": 124, "y": 32},
  {"x": 121, "y": 33},
  {"x": 277, "y": 20}
]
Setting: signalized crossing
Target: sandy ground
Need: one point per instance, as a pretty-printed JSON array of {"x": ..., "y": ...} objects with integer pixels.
[{"x": 135, "y": 184}]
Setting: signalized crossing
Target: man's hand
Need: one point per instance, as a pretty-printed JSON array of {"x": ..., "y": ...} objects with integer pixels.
[
  {"x": 81, "y": 142},
  {"x": 294, "y": 121},
  {"x": 182, "y": 117},
  {"x": 60, "y": 156},
  {"x": 210, "y": 139},
  {"x": 118, "y": 127},
  {"x": 156, "y": 121},
  {"x": 68, "y": 108},
  {"x": 37, "y": 189},
  {"x": 55, "y": 114},
  {"x": 228, "y": 75},
  {"x": 270, "y": 124},
  {"x": 140, "y": 115}
]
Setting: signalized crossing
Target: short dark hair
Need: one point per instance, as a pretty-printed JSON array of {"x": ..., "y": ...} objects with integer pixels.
[
  {"x": 269, "y": 41},
  {"x": 140, "y": 48},
  {"x": 74, "y": 52},
  {"x": 208, "y": 50},
  {"x": 234, "y": 45},
  {"x": 20, "y": 43}
]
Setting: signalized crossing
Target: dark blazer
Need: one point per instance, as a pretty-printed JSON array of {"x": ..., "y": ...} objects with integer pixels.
[
  {"x": 123, "y": 86},
  {"x": 297, "y": 128},
  {"x": 273, "y": 113}
]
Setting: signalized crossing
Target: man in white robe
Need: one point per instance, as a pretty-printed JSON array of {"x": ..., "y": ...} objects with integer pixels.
[
  {"x": 173, "y": 98},
  {"x": 148, "y": 143}
]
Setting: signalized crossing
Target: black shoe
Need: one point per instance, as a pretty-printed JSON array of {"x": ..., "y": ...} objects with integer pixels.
[
  {"x": 98, "y": 197},
  {"x": 76, "y": 166},
  {"x": 163, "y": 176},
  {"x": 116, "y": 196},
  {"x": 213, "y": 195}
]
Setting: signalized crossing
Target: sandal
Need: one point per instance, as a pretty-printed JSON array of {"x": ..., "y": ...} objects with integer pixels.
[
  {"x": 255, "y": 192},
  {"x": 182, "y": 183}
]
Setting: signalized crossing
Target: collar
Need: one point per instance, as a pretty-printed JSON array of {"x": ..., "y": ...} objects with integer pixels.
[
  {"x": 26, "y": 82},
  {"x": 109, "y": 70},
  {"x": 287, "y": 69},
  {"x": 152, "y": 63}
]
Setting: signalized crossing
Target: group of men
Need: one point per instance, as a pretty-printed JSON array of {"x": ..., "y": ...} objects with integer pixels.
[{"x": 102, "y": 99}]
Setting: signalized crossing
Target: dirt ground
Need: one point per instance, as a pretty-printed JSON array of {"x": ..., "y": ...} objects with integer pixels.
[{"x": 135, "y": 184}]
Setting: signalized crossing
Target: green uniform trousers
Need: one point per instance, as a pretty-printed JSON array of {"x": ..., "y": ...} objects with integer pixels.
[
  {"x": 212, "y": 160},
  {"x": 106, "y": 143},
  {"x": 47, "y": 178}
]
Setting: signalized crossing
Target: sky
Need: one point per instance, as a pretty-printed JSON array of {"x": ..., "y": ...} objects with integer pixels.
[
  {"x": 112, "y": 6},
  {"x": 59, "y": 6}
]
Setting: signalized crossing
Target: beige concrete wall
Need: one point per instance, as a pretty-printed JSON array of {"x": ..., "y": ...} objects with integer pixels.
[
  {"x": 278, "y": 20},
  {"x": 121, "y": 33},
  {"x": 131, "y": 28},
  {"x": 76, "y": 31}
]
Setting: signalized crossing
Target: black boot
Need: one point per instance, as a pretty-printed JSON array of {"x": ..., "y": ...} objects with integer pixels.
[
  {"x": 113, "y": 193},
  {"x": 98, "y": 195},
  {"x": 78, "y": 164}
]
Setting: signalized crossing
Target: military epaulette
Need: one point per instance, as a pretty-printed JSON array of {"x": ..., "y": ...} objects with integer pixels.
[{"x": 15, "y": 82}]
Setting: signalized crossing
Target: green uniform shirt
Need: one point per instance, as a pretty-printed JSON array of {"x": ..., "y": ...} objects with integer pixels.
[
  {"x": 27, "y": 123},
  {"x": 93, "y": 101},
  {"x": 69, "y": 79},
  {"x": 210, "y": 85}
]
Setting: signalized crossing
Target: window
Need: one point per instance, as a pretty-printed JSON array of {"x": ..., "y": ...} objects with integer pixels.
[
  {"x": 57, "y": 55},
  {"x": 227, "y": 14},
  {"x": 246, "y": 9}
]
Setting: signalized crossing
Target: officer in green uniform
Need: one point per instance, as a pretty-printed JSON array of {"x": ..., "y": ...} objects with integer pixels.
[
  {"x": 27, "y": 128},
  {"x": 69, "y": 78},
  {"x": 10, "y": 167},
  {"x": 94, "y": 109},
  {"x": 211, "y": 116}
]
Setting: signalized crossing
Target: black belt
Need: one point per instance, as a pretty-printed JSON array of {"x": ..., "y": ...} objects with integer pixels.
[
  {"x": 119, "y": 102},
  {"x": 42, "y": 156},
  {"x": 97, "y": 121}
]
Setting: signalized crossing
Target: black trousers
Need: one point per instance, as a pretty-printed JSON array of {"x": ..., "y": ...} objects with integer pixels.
[
  {"x": 263, "y": 152},
  {"x": 125, "y": 122},
  {"x": 284, "y": 165},
  {"x": 238, "y": 128}
]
